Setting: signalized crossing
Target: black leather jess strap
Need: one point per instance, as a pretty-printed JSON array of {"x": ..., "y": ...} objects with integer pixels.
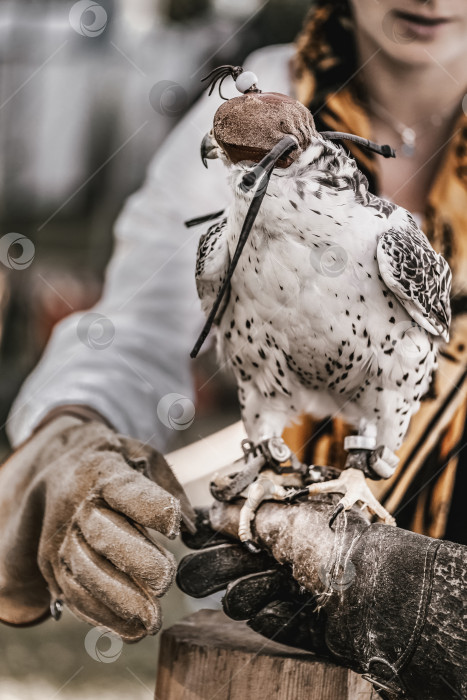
[
  {"x": 385, "y": 150},
  {"x": 263, "y": 169}
]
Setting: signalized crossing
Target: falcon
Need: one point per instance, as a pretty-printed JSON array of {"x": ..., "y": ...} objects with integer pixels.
[{"x": 336, "y": 304}]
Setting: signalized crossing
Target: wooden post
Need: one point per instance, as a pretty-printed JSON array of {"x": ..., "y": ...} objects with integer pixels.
[{"x": 207, "y": 656}]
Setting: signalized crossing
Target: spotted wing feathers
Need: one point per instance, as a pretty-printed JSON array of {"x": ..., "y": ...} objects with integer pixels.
[
  {"x": 418, "y": 276},
  {"x": 212, "y": 263}
]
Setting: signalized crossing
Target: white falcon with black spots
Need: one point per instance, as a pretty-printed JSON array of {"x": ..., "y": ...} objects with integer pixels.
[{"x": 337, "y": 306}]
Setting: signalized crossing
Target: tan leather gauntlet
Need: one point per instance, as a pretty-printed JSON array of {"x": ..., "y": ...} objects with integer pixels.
[{"x": 75, "y": 502}]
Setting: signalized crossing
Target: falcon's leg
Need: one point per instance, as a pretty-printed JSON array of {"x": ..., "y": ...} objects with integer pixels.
[
  {"x": 264, "y": 447},
  {"x": 351, "y": 482},
  {"x": 264, "y": 418}
]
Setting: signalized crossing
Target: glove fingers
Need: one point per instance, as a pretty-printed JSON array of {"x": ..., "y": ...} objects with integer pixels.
[
  {"x": 210, "y": 570},
  {"x": 115, "y": 539},
  {"x": 247, "y": 596},
  {"x": 107, "y": 584},
  {"x": 141, "y": 500},
  {"x": 82, "y": 604},
  {"x": 158, "y": 470}
]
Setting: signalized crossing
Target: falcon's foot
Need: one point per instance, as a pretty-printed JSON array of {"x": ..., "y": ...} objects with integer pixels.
[
  {"x": 272, "y": 453},
  {"x": 352, "y": 484},
  {"x": 264, "y": 473}
]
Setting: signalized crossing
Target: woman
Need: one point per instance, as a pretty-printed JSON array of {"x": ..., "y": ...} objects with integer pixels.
[{"x": 399, "y": 76}]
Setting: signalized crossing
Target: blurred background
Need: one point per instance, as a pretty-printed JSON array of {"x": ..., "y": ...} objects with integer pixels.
[{"x": 77, "y": 131}]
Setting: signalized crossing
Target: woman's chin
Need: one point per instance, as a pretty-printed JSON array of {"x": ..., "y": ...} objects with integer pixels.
[{"x": 418, "y": 52}]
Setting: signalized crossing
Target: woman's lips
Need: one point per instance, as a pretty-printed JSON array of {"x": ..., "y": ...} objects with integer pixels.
[{"x": 419, "y": 26}]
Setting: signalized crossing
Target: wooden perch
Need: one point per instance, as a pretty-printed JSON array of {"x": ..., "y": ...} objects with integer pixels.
[{"x": 207, "y": 656}]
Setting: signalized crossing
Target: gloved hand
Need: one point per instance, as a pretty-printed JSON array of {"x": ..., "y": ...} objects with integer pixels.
[
  {"x": 75, "y": 500},
  {"x": 376, "y": 599},
  {"x": 257, "y": 588},
  {"x": 278, "y": 590}
]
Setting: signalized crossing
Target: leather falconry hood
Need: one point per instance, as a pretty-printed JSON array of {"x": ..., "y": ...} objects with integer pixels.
[{"x": 249, "y": 126}]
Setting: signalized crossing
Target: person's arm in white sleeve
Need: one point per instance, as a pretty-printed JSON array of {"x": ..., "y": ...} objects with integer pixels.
[
  {"x": 123, "y": 366},
  {"x": 132, "y": 348},
  {"x": 77, "y": 495}
]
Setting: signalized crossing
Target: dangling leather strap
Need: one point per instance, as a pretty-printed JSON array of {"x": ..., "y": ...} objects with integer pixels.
[{"x": 263, "y": 169}]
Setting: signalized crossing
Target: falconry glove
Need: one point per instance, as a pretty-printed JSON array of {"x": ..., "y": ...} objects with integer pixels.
[
  {"x": 384, "y": 602},
  {"x": 76, "y": 500}
]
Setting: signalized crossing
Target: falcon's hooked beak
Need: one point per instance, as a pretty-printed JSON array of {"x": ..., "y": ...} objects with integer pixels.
[{"x": 209, "y": 148}]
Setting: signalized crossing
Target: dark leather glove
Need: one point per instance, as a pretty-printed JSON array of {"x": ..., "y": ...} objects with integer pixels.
[
  {"x": 257, "y": 588},
  {"x": 379, "y": 600},
  {"x": 75, "y": 502}
]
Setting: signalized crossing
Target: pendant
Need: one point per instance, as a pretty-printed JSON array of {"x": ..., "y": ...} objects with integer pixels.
[{"x": 408, "y": 137}]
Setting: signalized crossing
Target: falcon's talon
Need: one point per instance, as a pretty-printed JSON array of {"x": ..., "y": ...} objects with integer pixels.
[
  {"x": 352, "y": 484},
  {"x": 226, "y": 488},
  {"x": 252, "y": 547},
  {"x": 262, "y": 489},
  {"x": 256, "y": 457},
  {"x": 339, "y": 508}
]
